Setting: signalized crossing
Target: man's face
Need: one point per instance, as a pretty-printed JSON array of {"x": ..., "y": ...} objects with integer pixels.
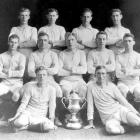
[
  {"x": 71, "y": 42},
  {"x": 101, "y": 75},
  {"x": 116, "y": 18},
  {"x": 86, "y": 18},
  {"x": 13, "y": 44},
  {"x": 101, "y": 40},
  {"x": 43, "y": 42},
  {"x": 52, "y": 17},
  {"x": 42, "y": 76},
  {"x": 24, "y": 17},
  {"x": 128, "y": 42}
]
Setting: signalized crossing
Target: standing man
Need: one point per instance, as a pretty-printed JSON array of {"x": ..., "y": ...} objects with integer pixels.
[
  {"x": 112, "y": 106},
  {"x": 55, "y": 32},
  {"x": 12, "y": 66},
  {"x": 128, "y": 69},
  {"x": 116, "y": 32},
  {"x": 26, "y": 33},
  {"x": 38, "y": 97},
  {"x": 85, "y": 33}
]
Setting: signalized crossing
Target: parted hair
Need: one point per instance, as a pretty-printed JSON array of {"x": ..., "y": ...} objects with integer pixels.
[
  {"x": 13, "y": 36},
  {"x": 101, "y": 32},
  {"x": 116, "y": 10},
  {"x": 129, "y": 35},
  {"x": 86, "y": 10},
  {"x": 39, "y": 69},
  {"x": 100, "y": 67},
  {"x": 50, "y": 10},
  {"x": 23, "y": 9},
  {"x": 43, "y": 34}
]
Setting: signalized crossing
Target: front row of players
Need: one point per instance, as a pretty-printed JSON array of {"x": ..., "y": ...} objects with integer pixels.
[{"x": 43, "y": 64}]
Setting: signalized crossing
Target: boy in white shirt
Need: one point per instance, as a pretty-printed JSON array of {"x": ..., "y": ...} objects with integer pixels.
[
  {"x": 113, "y": 108},
  {"x": 116, "y": 32}
]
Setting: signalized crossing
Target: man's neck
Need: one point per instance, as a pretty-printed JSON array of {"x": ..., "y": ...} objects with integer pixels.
[
  {"x": 129, "y": 51},
  {"x": 118, "y": 25},
  {"x": 42, "y": 50},
  {"x": 52, "y": 24},
  {"x": 12, "y": 52},
  {"x": 24, "y": 24},
  {"x": 102, "y": 84},
  {"x": 41, "y": 85},
  {"x": 102, "y": 48},
  {"x": 86, "y": 25}
]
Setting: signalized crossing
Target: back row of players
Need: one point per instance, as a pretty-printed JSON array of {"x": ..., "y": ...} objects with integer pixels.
[{"x": 86, "y": 49}]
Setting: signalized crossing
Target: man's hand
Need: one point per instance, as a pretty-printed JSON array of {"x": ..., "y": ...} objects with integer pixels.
[
  {"x": 12, "y": 119},
  {"x": 6, "y": 71},
  {"x": 89, "y": 126}
]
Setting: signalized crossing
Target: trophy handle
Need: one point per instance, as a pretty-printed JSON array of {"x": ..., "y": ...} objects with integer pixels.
[
  {"x": 83, "y": 103},
  {"x": 62, "y": 100}
]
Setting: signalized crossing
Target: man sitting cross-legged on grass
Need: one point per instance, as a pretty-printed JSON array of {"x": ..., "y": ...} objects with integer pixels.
[
  {"x": 112, "y": 106},
  {"x": 37, "y": 98}
]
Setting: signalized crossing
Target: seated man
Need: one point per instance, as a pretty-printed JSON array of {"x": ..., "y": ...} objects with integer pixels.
[
  {"x": 101, "y": 56},
  {"x": 128, "y": 69},
  {"x": 72, "y": 66},
  {"x": 116, "y": 32},
  {"x": 44, "y": 56},
  {"x": 12, "y": 66},
  {"x": 37, "y": 98},
  {"x": 113, "y": 108}
]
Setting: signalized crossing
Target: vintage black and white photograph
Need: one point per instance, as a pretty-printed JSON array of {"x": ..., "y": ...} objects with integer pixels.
[{"x": 69, "y": 69}]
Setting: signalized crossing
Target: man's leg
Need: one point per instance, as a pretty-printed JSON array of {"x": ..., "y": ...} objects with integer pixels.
[
  {"x": 136, "y": 92},
  {"x": 113, "y": 126},
  {"x": 41, "y": 124},
  {"x": 21, "y": 122},
  {"x": 133, "y": 119}
]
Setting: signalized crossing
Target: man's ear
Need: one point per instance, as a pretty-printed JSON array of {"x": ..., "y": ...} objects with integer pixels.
[
  {"x": 134, "y": 42},
  {"x": 121, "y": 16}
]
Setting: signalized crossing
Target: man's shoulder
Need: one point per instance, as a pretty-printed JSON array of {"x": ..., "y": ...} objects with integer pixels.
[
  {"x": 4, "y": 54},
  {"x": 125, "y": 29},
  {"x": 60, "y": 27}
]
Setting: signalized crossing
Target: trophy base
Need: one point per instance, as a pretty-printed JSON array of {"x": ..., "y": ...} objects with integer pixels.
[{"x": 74, "y": 126}]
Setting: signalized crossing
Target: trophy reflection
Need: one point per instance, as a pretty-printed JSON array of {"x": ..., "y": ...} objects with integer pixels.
[{"x": 75, "y": 104}]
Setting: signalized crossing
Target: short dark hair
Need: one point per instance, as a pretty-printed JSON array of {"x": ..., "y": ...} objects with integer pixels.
[
  {"x": 86, "y": 10},
  {"x": 101, "y": 33},
  {"x": 39, "y": 69},
  {"x": 129, "y": 35},
  {"x": 50, "y": 10},
  {"x": 43, "y": 34},
  {"x": 100, "y": 67},
  {"x": 116, "y": 10},
  {"x": 13, "y": 36}
]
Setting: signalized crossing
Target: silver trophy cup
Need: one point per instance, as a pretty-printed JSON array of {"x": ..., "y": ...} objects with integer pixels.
[{"x": 74, "y": 106}]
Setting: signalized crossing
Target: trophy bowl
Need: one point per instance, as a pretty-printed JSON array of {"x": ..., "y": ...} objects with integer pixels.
[{"x": 74, "y": 106}]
